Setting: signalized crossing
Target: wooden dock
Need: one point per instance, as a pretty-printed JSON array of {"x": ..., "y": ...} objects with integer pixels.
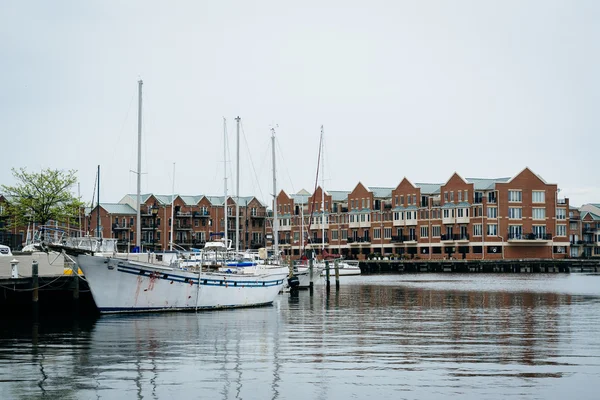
[
  {"x": 480, "y": 266},
  {"x": 43, "y": 284}
]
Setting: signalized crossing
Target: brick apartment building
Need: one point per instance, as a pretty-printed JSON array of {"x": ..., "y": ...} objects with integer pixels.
[
  {"x": 196, "y": 220},
  {"x": 503, "y": 218}
]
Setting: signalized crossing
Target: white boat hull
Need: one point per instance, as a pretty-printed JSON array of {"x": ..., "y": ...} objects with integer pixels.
[
  {"x": 119, "y": 285},
  {"x": 303, "y": 275},
  {"x": 344, "y": 269}
]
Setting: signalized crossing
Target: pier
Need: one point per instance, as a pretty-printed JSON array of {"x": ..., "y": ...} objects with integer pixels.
[
  {"x": 41, "y": 287},
  {"x": 480, "y": 266}
]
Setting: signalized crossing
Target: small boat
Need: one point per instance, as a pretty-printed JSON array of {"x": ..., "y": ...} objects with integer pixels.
[
  {"x": 5, "y": 250},
  {"x": 345, "y": 268}
]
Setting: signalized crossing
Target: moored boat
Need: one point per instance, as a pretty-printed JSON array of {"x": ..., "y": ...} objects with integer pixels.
[{"x": 119, "y": 285}]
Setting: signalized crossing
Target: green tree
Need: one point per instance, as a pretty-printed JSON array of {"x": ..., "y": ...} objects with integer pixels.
[{"x": 42, "y": 197}]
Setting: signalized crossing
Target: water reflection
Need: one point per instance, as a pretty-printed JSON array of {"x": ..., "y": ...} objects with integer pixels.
[{"x": 378, "y": 337}]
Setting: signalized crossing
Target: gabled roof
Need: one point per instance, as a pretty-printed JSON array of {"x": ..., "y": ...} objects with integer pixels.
[
  {"x": 216, "y": 200},
  {"x": 300, "y": 198},
  {"x": 190, "y": 200},
  {"x": 591, "y": 215},
  {"x": 381, "y": 192},
  {"x": 161, "y": 199},
  {"x": 339, "y": 195},
  {"x": 486, "y": 183},
  {"x": 452, "y": 176},
  {"x": 429, "y": 188},
  {"x": 528, "y": 169},
  {"x": 116, "y": 208}
]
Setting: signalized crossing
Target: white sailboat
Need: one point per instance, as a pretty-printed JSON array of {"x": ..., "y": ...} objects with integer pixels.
[
  {"x": 122, "y": 285},
  {"x": 345, "y": 267}
]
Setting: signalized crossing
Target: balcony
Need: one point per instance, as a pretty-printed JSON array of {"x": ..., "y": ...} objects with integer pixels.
[
  {"x": 201, "y": 214},
  {"x": 318, "y": 240},
  {"x": 446, "y": 238},
  {"x": 183, "y": 214},
  {"x": 589, "y": 229},
  {"x": 358, "y": 240},
  {"x": 117, "y": 227},
  {"x": 183, "y": 228},
  {"x": 528, "y": 237},
  {"x": 256, "y": 244},
  {"x": 398, "y": 239},
  {"x": 461, "y": 237},
  {"x": 258, "y": 214}
]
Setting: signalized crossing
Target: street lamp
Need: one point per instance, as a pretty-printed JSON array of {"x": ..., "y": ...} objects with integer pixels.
[{"x": 154, "y": 211}]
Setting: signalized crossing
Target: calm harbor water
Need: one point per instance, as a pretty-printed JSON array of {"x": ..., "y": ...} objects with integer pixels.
[{"x": 383, "y": 337}]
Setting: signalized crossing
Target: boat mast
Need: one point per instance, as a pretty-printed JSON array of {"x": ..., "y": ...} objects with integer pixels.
[
  {"x": 225, "y": 178},
  {"x": 98, "y": 207},
  {"x": 322, "y": 195},
  {"x": 275, "y": 221},
  {"x": 237, "y": 188},
  {"x": 172, "y": 209},
  {"x": 138, "y": 222}
]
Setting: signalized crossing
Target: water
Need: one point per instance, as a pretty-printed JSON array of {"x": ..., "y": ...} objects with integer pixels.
[{"x": 383, "y": 337}]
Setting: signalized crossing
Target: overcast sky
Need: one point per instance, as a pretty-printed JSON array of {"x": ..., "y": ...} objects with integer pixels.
[{"x": 403, "y": 88}]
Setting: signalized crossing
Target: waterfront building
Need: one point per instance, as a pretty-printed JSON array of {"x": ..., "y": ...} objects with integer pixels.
[
  {"x": 197, "y": 219},
  {"x": 519, "y": 217}
]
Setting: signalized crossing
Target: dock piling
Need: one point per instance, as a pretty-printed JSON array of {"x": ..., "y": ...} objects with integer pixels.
[
  {"x": 336, "y": 264},
  {"x": 311, "y": 284},
  {"x": 35, "y": 282},
  {"x": 327, "y": 273}
]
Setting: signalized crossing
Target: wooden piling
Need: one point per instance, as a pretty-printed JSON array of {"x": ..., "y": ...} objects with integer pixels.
[
  {"x": 336, "y": 264},
  {"x": 34, "y": 282},
  {"x": 311, "y": 284},
  {"x": 74, "y": 268},
  {"x": 327, "y": 275}
]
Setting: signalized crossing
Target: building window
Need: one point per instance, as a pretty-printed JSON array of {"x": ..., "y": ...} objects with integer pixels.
[
  {"x": 387, "y": 233},
  {"x": 492, "y": 212},
  {"x": 492, "y": 230},
  {"x": 344, "y": 234},
  {"x": 515, "y": 231},
  {"x": 514, "y": 196},
  {"x": 561, "y": 213},
  {"x": 445, "y": 197},
  {"x": 573, "y": 226},
  {"x": 436, "y": 231},
  {"x": 424, "y": 231},
  {"x": 466, "y": 195},
  {"x": 452, "y": 196},
  {"x": 478, "y": 198},
  {"x": 561, "y": 230},
  {"x": 538, "y": 196},
  {"x": 334, "y": 235},
  {"x": 377, "y": 233},
  {"x": 492, "y": 197},
  {"x": 538, "y": 213},
  {"x": 539, "y": 231},
  {"x": 515, "y": 212},
  {"x": 459, "y": 194},
  {"x": 477, "y": 230}
]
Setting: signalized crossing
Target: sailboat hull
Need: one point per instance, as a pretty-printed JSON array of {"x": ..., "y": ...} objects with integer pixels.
[{"x": 119, "y": 286}]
